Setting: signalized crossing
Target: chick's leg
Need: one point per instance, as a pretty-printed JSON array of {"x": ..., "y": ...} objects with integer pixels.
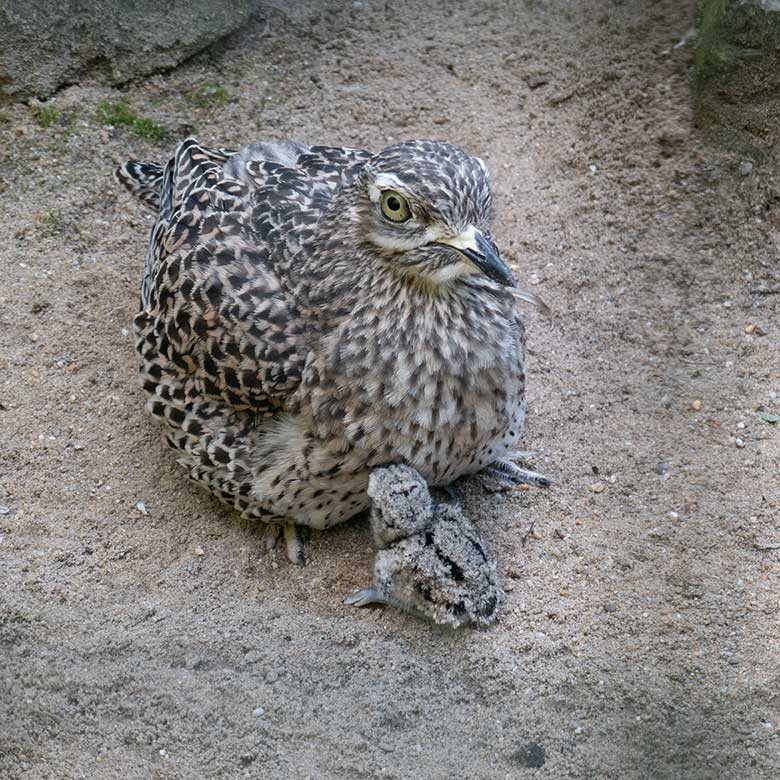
[{"x": 362, "y": 598}]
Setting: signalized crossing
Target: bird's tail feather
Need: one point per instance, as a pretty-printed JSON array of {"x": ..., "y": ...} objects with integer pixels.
[
  {"x": 160, "y": 187},
  {"x": 144, "y": 180}
]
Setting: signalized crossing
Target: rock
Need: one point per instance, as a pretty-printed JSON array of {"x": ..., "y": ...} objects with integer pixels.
[
  {"x": 754, "y": 330},
  {"x": 44, "y": 45},
  {"x": 536, "y": 80},
  {"x": 736, "y": 77}
]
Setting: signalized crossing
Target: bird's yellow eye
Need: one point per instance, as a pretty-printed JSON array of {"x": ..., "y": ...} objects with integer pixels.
[{"x": 395, "y": 206}]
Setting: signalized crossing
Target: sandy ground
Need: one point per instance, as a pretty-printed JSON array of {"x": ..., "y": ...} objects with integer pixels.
[{"x": 641, "y": 635}]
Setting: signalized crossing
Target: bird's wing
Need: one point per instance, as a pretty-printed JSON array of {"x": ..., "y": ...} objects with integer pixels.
[
  {"x": 291, "y": 187},
  {"x": 313, "y": 171},
  {"x": 216, "y": 324}
]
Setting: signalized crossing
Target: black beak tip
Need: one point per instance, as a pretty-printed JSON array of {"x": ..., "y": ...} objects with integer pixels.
[{"x": 490, "y": 263}]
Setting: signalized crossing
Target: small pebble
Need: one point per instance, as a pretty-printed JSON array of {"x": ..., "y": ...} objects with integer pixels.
[
  {"x": 536, "y": 80},
  {"x": 661, "y": 468},
  {"x": 674, "y": 515},
  {"x": 740, "y": 425},
  {"x": 739, "y": 443},
  {"x": 141, "y": 508},
  {"x": 200, "y": 552},
  {"x": 4, "y": 510},
  {"x": 610, "y": 606},
  {"x": 766, "y": 545},
  {"x": 696, "y": 405},
  {"x": 598, "y": 487},
  {"x": 745, "y": 168},
  {"x": 258, "y": 712}
]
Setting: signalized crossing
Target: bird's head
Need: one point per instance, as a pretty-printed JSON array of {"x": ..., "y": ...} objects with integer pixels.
[{"x": 426, "y": 207}]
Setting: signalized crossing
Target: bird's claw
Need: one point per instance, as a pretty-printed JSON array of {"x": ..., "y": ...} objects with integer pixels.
[{"x": 507, "y": 475}]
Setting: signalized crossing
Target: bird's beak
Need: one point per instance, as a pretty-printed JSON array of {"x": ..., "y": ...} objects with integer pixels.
[{"x": 482, "y": 254}]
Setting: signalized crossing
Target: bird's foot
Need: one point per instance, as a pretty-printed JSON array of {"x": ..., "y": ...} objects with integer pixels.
[
  {"x": 503, "y": 474},
  {"x": 362, "y": 598},
  {"x": 292, "y": 540}
]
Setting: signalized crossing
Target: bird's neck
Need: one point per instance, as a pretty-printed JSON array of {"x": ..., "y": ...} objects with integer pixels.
[{"x": 417, "y": 307}]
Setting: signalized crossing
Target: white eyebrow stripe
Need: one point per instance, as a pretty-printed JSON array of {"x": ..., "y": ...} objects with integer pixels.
[{"x": 386, "y": 181}]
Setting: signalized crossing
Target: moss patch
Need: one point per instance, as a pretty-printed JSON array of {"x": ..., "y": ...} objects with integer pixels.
[
  {"x": 119, "y": 114},
  {"x": 46, "y": 115},
  {"x": 208, "y": 95}
]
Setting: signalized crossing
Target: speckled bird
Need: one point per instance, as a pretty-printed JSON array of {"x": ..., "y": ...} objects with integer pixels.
[
  {"x": 431, "y": 560},
  {"x": 310, "y": 313}
]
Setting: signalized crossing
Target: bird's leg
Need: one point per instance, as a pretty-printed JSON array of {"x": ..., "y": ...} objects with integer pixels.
[
  {"x": 270, "y": 538},
  {"x": 292, "y": 541},
  {"x": 369, "y": 596},
  {"x": 294, "y": 544}
]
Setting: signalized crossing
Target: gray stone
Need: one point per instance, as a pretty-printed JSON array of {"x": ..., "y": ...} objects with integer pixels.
[
  {"x": 736, "y": 76},
  {"x": 45, "y": 45}
]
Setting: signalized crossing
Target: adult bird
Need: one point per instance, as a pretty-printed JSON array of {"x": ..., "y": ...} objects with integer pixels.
[{"x": 311, "y": 313}]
